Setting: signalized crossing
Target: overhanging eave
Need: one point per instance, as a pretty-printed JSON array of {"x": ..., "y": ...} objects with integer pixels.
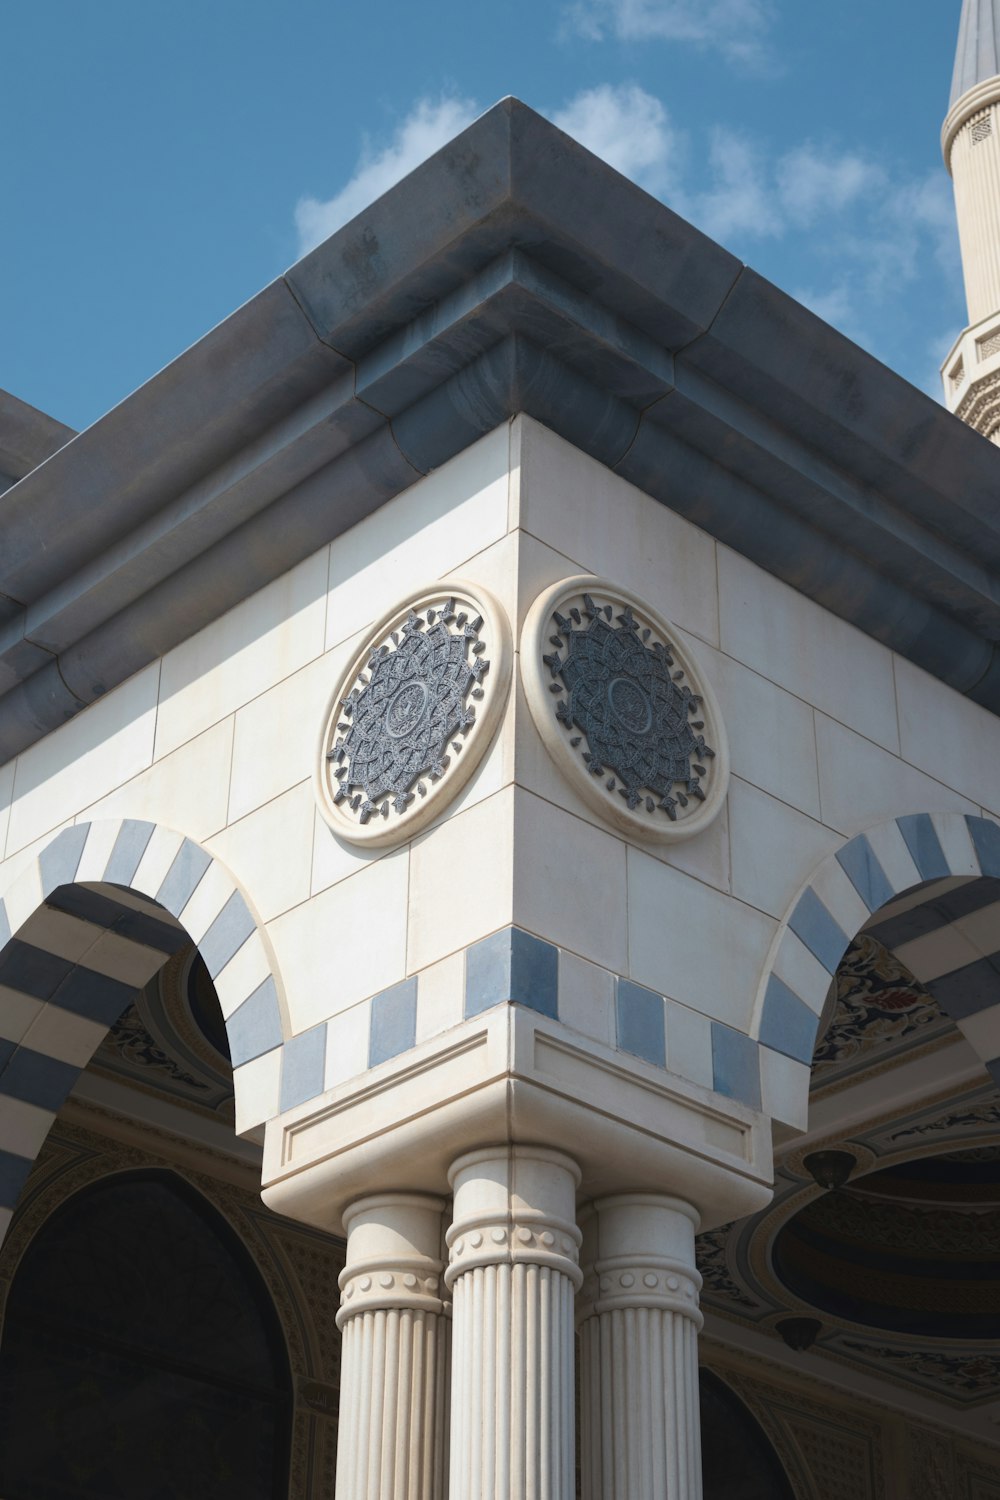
[{"x": 513, "y": 272}]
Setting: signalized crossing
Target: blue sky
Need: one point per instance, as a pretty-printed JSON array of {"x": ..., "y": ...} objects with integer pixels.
[{"x": 163, "y": 159}]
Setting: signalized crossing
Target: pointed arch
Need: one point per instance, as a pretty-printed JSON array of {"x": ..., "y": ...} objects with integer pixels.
[
  {"x": 85, "y": 926},
  {"x": 934, "y": 881}
]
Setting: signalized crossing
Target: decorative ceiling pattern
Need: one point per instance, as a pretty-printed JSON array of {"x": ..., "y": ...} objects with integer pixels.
[
  {"x": 172, "y": 1042},
  {"x": 901, "y": 1266},
  {"x": 880, "y": 1014}
]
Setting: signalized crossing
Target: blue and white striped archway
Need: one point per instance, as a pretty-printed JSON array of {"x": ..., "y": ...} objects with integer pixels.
[
  {"x": 933, "y": 879},
  {"x": 89, "y": 922}
]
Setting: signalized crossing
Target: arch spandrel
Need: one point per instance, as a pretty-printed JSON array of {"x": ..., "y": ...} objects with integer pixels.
[
  {"x": 932, "y": 881},
  {"x": 90, "y": 921}
]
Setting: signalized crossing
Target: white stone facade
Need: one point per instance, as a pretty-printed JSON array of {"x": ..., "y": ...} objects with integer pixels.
[
  {"x": 366, "y": 988},
  {"x": 830, "y": 734}
]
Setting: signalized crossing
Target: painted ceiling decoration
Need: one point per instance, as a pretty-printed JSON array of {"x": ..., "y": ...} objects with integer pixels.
[
  {"x": 879, "y": 1014},
  {"x": 901, "y": 1265},
  {"x": 172, "y": 1042}
]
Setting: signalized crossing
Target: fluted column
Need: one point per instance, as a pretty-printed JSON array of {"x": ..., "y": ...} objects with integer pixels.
[
  {"x": 513, "y": 1270},
  {"x": 638, "y": 1319},
  {"x": 393, "y": 1432}
]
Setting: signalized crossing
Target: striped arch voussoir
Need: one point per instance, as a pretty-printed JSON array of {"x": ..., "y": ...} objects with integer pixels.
[
  {"x": 934, "y": 939},
  {"x": 92, "y": 919}
]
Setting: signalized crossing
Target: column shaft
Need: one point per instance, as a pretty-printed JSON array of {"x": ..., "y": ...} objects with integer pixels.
[
  {"x": 513, "y": 1273},
  {"x": 392, "y": 1436},
  {"x": 639, "y": 1320}
]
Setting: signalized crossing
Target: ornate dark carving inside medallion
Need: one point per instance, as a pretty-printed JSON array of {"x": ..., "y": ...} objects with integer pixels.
[
  {"x": 412, "y": 713},
  {"x": 402, "y": 716},
  {"x": 627, "y": 693}
]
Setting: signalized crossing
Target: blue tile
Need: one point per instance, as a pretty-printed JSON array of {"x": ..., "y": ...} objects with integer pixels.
[
  {"x": 824, "y": 938},
  {"x": 787, "y": 1024},
  {"x": 130, "y": 846},
  {"x": 986, "y": 839},
  {"x": 255, "y": 1026},
  {"x": 859, "y": 863},
  {"x": 640, "y": 1017},
  {"x": 534, "y": 973},
  {"x": 487, "y": 973},
  {"x": 37, "y": 1079},
  {"x": 920, "y": 837},
  {"x": 13, "y": 1175},
  {"x": 969, "y": 990},
  {"x": 735, "y": 1065},
  {"x": 4, "y": 926},
  {"x": 189, "y": 865},
  {"x": 32, "y": 971},
  {"x": 303, "y": 1059},
  {"x": 58, "y": 863},
  {"x": 392, "y": 1026},
  {"x": 512, "y": 966},
  {"x": 226, "y": 935},
  {"x": 7, "y": 1050}
]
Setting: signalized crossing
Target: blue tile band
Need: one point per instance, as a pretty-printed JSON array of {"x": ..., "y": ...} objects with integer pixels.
[
  {"x": 813, "y": 924},
  {"x": 392, "y": 1022},
  {"x": 129, "y": 847},
  {"x": 735, "y": 1065},
  {"x": 303, "y": 1059},
  {"x": 512, "y": 967},
  {"x": 58, "y": 862},
  {"x": 787, "y": 1025},
  {"x": 255, "y": 1027},
  {"x": 640, "y": 1022},
  {"x": 920, "y": 837},
  {"x": 859, "y": 863}
]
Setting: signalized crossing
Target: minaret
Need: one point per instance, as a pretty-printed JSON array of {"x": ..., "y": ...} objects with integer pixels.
[{"x": 970, "y": 140}]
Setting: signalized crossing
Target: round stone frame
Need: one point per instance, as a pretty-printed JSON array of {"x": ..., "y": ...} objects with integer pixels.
[
  {"x": 566, "y": 745},
  {"x": 433, "y": 795}
]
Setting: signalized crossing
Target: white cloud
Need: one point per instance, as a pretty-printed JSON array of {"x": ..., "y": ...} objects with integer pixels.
[
  {"x": 737, "y": 28},
  {"x": 741, "y": 199},
  {"x": 811, "y": 184},
  {"x": 630, "y": 130},
  {"x": 429, "y": 125}
]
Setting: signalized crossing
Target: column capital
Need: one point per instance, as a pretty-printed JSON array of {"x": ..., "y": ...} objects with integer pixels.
[
  {"x": 498, "y": 1223},
  {"x": 395, "y": 1255},
  {"x": 638, "y": 1251}
]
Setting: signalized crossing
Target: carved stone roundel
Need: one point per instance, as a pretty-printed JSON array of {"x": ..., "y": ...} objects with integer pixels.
[
  {"x": 623, "y": 710},
  {"x": 413, "y": 714}
]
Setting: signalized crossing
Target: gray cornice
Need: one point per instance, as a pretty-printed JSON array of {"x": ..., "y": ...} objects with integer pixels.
[
  {"x": 27, "y": 438},
  {"x": 512, "y": 272}
]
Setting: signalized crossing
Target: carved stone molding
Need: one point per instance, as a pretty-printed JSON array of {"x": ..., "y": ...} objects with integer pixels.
[
  {"x": 413, "y": 714},
  {"x": 623, "y": 709}
]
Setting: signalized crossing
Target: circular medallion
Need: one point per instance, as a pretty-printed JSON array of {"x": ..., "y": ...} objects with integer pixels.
[
  {"x": 413, "y": 714},
  {"x": 623, "y": 709}
]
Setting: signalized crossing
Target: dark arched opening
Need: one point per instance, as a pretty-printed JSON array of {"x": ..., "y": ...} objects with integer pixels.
[
  {"x": 141, "y": 1355},
  {"x": 738, "y": 1462}
]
